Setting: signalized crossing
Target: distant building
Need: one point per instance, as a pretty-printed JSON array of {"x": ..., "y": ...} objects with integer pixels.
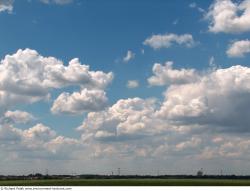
[{"x": 200, "y": 172}]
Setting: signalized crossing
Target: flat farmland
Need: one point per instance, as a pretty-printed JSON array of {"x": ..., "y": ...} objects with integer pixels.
[{"x": 127, "y": 182}]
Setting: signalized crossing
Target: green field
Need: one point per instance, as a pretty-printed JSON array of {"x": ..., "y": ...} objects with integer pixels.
[{"x": 127, "y": 182}]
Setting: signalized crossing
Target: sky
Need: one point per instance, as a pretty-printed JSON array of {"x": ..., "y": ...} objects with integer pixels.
[{"x": 150, "y": 87}]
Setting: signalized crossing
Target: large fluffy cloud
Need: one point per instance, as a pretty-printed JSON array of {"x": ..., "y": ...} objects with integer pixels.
[
  {"x": 26, "y": 76},
  {"x": 165, "y": 75},
  {"x": 130, "y": 118},
  {"x": 218, "y": 98},
  {"x": 79, "y": 102},
  {"x": 195, "y": 120},
  {"x": 239, "y": 48},
  {"x": 214, "y": 102},
  {"x": 229, "y": 17},
  {"x": 167, "y": 40}
]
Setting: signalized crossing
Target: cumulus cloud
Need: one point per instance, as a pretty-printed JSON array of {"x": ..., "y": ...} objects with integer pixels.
[
  {"x": 79, "y": 102},
  {"x": 132, "y": 84},
  {"x": 167, "y": 40},
  {"x": 195, "y": 120},
  {"x": 217, "y": 99},
  {"x": 38, "y": 142},
  {"x": 17, "y": 116},
  {"x": 27, "y": 77},
  {"x": 183, "y": 123},
  {"x": 38, "y": 133},
  {"x": 239, "y": 48},
  {"x": 6, "y": 5},
  {"x": 127, "y": 118},
  {"x": 130, "y": 55},
  {"x": 166, "y": 75},
  {"x": 229, "y": 17}
]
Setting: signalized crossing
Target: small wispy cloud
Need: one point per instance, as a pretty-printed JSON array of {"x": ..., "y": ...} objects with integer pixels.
[
  {"x": 193, "y": 5},
  {"x": 58, "y": 2},
  {"x": 132, "y": 84},
  {"x": 129, "y": 56}
]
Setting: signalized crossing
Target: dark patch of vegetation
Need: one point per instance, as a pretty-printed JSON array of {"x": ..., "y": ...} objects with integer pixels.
[{"x": 127, "y": 182}]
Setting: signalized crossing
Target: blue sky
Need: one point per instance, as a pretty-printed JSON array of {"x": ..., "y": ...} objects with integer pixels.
[{"x": 200, "y": 81}]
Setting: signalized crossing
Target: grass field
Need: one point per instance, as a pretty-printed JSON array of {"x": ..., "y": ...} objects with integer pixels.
[{"x": 127, "y": 182}]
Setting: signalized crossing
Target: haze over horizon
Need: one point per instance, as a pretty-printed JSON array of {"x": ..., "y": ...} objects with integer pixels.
[{"x": 90, "y": 86}]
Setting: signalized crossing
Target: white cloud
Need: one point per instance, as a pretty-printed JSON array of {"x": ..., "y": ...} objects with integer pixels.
[
  {"x": 37, "y": 142},
  {"x": 79, "y": 102},
  {"x": 167, "y": 40},
  {"x": 166, "y": 75},
  {"x": 27, "y": 77},
  {"x": 6, "y": 5},
  {"x": 229, "y": 17},
  {"x": 195, "y": 120},
  {"x": 126, "y": 118},
  {"x": 130, "y": 55},
  {"x": 239, "y": 48},
  {"x": 218, "y": 99},
  {"x": 38, "y": 133},
  {"x": 132, "y": 84},
  {"x": 17, "y": 116}
]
